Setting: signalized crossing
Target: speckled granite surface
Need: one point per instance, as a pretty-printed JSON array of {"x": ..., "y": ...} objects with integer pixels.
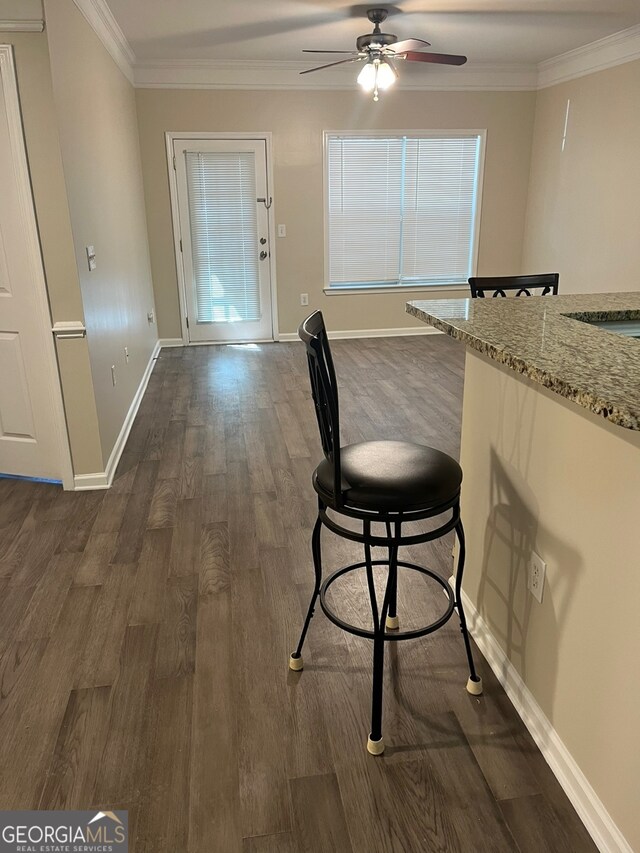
[{"x": 541, "y": 338}]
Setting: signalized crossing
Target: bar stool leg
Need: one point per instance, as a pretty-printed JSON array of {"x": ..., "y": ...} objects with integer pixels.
[
  {"x": 296, "y": 662},
  {"x": 474, "y": 684},
  {"x": 392, "y": 622},
  {"x": 375, "y": 742}
]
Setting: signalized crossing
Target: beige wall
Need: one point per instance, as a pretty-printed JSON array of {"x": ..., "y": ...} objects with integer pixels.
[
  {"x": 96, "y": 117},
  {"x": 539, "y": 475},
  {"x": 297, "y": 120},
  {"x": 21, "y": 10},
  {"x": 583, "y": 216},
  {"x": 54, "y": 225}
]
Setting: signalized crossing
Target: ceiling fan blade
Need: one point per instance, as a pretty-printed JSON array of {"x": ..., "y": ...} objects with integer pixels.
[
  {"x": 330, "y": 51},
  {"x": 439, "y": 58},
  {"x": 408, "y": 44},
  {"x": 331, "y": 64}
]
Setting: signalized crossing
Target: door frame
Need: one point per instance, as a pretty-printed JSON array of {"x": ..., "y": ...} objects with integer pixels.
[
  {"x": 170, "y": 138},
  {"x": 42, "y": 317}
]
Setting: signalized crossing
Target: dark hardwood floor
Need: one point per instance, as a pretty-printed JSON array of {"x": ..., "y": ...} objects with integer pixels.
[{"x": 145, "y": 634}]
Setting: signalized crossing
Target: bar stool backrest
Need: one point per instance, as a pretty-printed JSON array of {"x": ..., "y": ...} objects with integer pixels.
[
  {"x": 523, "y": 284},
  {"x": 324, "y": 390}
]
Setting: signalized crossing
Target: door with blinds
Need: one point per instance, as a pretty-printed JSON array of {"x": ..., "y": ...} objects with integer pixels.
[{"x": 224, "y": 238}]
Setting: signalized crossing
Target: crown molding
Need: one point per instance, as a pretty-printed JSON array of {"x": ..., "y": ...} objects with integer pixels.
[
  {"x": 101, "y": 20},
  {"x": 251, "y": 74},
  {"x": 18, "y": 26},
  {"x": 605, "y": 53}
]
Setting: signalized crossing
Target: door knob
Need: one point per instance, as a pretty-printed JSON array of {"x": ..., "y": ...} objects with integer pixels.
[{"x": 263, "y": 255}]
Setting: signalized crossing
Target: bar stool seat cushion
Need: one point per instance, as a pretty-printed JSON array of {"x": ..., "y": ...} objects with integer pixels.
[{"x": 391, "y": 476}]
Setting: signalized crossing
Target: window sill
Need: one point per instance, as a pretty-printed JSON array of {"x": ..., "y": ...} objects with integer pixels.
[{"x": 421, "y": 288}]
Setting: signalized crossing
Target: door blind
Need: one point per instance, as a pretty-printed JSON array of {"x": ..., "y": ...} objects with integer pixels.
[
  {"x": 224, "y": 235},
  {"x": 401, "y": 209}
]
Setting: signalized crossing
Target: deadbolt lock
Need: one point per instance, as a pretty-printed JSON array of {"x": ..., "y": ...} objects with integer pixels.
[{"x": 263, "y": 240}]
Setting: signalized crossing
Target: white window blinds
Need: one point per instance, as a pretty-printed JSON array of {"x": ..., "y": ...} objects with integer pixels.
[
  {"x": 224, "y": 236},
  {"x": 401, "y": 209}
]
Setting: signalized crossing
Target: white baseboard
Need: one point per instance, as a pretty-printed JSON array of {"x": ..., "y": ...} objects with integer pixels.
[
  {"x": 103, "y": 479},
  {"x": 599, "y": 823},
  {"x": 370, "y": 333},
  {"x": 89, "y": 482},
  {"x": 334, "y": 335}
]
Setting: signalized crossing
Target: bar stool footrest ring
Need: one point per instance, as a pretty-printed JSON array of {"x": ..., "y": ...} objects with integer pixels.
[{"x": 388, "y": 635}]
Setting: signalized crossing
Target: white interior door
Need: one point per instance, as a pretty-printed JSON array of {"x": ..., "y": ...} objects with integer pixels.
[
  {"x": 224, "y": 232},
  {"x": 30, "y": 407}
]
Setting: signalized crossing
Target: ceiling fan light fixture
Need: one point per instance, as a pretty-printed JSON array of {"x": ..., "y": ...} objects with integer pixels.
[
  {"x": 378, "y": 49},
  {"x": 377, "y": 74}
]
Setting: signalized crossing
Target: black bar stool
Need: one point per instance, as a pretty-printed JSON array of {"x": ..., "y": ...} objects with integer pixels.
[
  {"x": 548, "y": 283},
  {"x": 378, "y": 482}
]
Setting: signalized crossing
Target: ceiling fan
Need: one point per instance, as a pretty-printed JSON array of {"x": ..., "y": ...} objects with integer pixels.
[{"x": 380, "y": 50}]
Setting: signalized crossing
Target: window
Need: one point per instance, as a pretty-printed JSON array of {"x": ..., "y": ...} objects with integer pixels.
[{"x": 402, "y": 210}]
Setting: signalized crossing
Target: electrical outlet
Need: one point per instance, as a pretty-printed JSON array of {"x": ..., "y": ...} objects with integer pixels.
[
  {"x": 150, "y": 317},
  {"x": 113, "y": 374},
  {"x": 536, "y": 569},
  {"x": 304, "y": 299},
  {"x": 126, "y": 354}
]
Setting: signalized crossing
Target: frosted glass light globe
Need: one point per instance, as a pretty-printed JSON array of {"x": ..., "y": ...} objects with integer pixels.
[
  {"x": 386, "y": 75},
  {"x": 367, "y": 77}
]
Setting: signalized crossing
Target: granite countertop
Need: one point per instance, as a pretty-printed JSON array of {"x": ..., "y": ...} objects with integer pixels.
[{"x": 544, "y": 338}]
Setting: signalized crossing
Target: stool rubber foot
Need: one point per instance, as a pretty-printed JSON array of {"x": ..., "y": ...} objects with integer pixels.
[
  {"x": 392, "y": 622},
  {"x": 475, "y": 687},
  {"x": 296, "y": 662},
  {"x": 375, "y": 747}
]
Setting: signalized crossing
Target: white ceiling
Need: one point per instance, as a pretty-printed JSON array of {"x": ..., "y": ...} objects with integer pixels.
[{"x": 486, "y": 31}]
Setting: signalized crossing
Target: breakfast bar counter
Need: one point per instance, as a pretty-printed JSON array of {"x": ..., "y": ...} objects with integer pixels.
[
  {"x": 550, "y": 451},
  {"x": 554, "y": 342}
]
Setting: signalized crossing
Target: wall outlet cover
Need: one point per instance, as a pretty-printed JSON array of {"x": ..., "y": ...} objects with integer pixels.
[{"x": 537, "y": 569}]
